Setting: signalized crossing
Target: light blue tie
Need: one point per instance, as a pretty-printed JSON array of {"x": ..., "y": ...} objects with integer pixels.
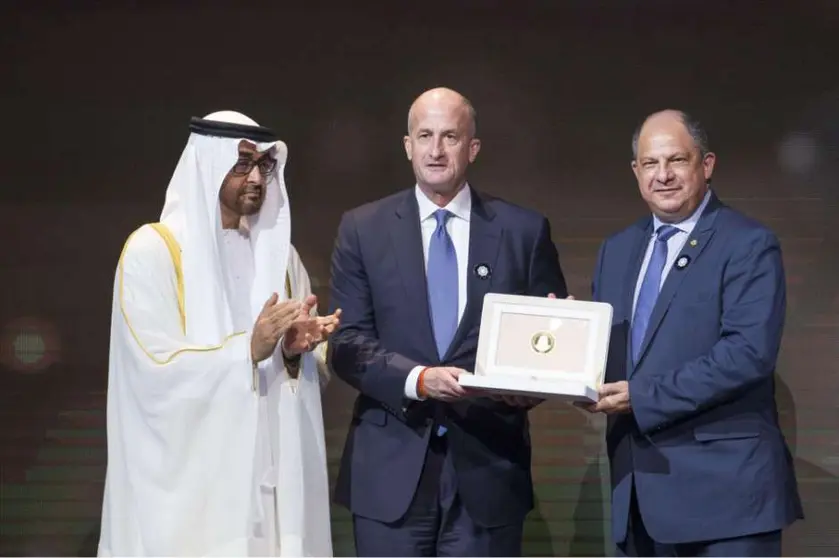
[
  {"x": 442, "y": 284},
  {"x": 650, "y": 288},
  {"x": 442, "y": 287}
]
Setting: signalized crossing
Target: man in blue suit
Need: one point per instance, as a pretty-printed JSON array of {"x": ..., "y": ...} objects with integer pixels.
[
  {"x": 430, "y": 469},
  {"x": 699, "y": 465}
]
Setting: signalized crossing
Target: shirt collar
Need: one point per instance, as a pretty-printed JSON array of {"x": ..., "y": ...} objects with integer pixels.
[
  {"x": 460, "y": 206},
  {"x": 688, "y": 224}
]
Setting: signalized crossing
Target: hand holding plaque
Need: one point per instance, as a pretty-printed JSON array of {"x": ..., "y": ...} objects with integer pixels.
[
  {"x": 541, "y": 347},
  {"x": 441, "y": 383},
  {"x": 614, "y": 399}
]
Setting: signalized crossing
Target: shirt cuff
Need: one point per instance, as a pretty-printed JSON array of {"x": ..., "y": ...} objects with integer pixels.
[
  {"x": 286, "y": 356},
  {"x": 411, "y": 383}
]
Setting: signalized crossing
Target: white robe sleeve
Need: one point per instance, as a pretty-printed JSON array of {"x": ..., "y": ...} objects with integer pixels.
[{"x": 181, "y": 421}]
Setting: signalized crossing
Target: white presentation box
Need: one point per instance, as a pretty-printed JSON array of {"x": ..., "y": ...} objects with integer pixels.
[{"x": 550, "y": 348}]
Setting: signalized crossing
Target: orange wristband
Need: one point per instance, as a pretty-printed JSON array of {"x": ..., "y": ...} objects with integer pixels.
[{"x": 421, "y": 383}]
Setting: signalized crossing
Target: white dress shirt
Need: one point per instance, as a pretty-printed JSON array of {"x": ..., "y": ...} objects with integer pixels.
[
  {"x": 674, "y": 246},
  {"x": 458, "y": 228}
]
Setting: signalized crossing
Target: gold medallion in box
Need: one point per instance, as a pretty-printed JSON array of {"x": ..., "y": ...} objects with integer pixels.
[{"x": 542, "y": 342}]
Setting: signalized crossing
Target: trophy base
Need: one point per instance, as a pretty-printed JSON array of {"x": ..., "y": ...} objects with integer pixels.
[{"x": 514, "y": 385}]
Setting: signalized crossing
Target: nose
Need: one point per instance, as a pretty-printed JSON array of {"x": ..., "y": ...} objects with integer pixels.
[
  {"x": 254, "y": 175},
  {"x": 437, "y": 149},
  {"x": 663, "y": 173}
]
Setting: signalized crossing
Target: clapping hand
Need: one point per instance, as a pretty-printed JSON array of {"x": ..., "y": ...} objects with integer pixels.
[
  {"x": 273, "y": 322},
  {"x": 307, "y": 331}
]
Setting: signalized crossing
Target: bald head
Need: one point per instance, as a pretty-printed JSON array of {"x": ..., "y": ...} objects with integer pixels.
[{"x": 443, "y": 99}]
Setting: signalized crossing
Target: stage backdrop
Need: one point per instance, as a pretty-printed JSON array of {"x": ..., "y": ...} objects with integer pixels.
[{"x": 96, "y": 105}]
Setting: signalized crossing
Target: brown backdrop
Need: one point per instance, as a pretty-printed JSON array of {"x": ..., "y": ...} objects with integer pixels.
[{"x": 97, "y": 99}]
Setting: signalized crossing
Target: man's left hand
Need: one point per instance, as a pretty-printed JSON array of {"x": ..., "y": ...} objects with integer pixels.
[
  {"x": 308, "y": 331},
  {"x": 614, "y": 399}
]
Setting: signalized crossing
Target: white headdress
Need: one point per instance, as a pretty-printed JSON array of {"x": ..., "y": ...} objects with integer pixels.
[{"x": 192, "y": 213}]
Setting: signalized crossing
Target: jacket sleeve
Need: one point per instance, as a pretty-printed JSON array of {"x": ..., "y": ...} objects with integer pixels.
[{"x": 355, "y": 353}]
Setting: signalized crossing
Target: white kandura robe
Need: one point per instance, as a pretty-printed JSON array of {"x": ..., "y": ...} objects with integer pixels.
[{"x": 202, "y": 459}]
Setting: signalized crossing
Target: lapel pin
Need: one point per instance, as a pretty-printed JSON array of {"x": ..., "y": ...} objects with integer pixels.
[
  {"x": 483, "y": 271},
  {"x": 682, "y": 262},
  {"x": 693, "y": 242}
]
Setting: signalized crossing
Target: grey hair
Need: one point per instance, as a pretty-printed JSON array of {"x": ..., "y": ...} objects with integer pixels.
[{"x": 693, "y": 126}]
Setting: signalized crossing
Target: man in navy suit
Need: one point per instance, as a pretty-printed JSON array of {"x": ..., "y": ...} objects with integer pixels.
[
  {"x": 699, "y": 465},
  {"x": 430, "y": 469}
]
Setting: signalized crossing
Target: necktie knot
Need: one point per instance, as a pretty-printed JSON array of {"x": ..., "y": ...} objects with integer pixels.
[
  {"x": 442, "y": 216},
  {"x": 664, "y": 232}
]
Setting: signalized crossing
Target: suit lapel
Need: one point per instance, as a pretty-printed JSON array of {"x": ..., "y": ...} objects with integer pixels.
[
  {"x": 406, "y": 237},
  {"x": 692, "y": 249},
  {"x": 484, "y": 239},
  {"x": 638, "y": 247}
]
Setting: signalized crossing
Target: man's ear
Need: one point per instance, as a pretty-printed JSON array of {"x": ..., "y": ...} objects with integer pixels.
[
  {"x": 406, "y": 143},
  {"x": 474, "y": 149}
]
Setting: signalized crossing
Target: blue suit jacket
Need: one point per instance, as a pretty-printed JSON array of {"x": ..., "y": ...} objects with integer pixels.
[
  {"x": 378, "y": 280},
  {"x": 702, "y": 443}
]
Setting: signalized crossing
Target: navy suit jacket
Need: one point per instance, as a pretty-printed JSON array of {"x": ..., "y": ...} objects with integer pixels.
[
  {"x": 378, "y": 280},
  {"x": 702, "y": 443}
]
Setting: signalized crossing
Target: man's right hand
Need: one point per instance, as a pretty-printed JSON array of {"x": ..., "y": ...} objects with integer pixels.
[
  {"x": 441, "y": 383},
  {"x": 271, "y": 324}
]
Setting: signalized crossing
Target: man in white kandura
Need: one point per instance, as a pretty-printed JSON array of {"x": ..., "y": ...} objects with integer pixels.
[{"x": 215, "y": 432}]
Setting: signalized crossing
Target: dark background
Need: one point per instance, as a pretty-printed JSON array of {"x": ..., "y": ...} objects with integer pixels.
[{"x": 97, "y": 98}]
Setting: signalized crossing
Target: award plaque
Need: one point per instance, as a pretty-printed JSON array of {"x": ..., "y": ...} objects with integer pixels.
[{"x": 541, "y": 347}]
